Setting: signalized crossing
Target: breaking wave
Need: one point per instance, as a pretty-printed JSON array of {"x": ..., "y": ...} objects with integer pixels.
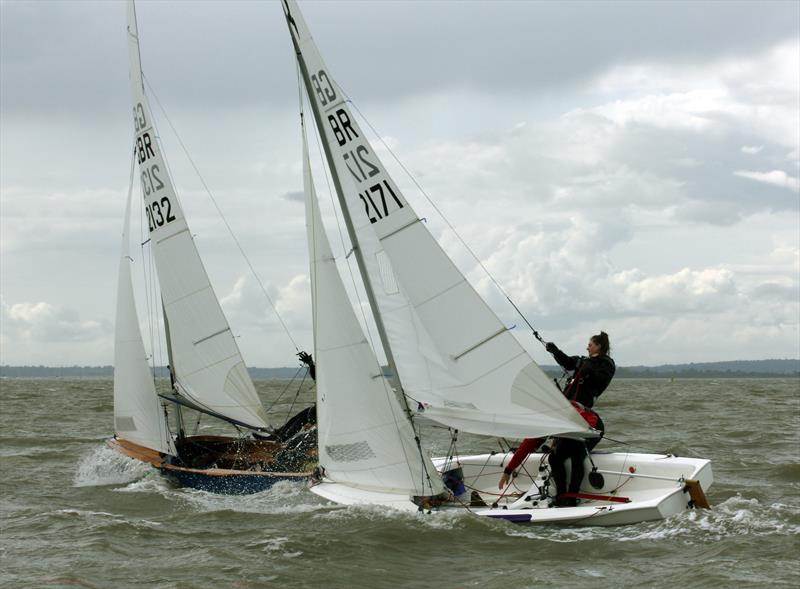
[
  {"x": 284, "y": 497},
  {"x": 105, "y": 466},
  {"x": 733, "y": 518}
]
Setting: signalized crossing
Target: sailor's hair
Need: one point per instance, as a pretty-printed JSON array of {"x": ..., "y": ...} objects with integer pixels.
[{"x": 601, "y": 339}]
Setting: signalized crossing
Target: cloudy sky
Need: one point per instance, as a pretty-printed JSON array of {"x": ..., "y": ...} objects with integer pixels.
[{"x": 626, "y": 166}]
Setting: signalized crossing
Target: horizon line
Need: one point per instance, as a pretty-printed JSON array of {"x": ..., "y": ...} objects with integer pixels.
[{"x": 294, "y": 367}]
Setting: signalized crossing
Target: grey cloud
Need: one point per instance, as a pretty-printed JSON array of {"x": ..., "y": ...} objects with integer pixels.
[
  {"x": 776, "y": 178},
  {"x": 691, "y": 172},
  {"x": 378, "y": 50},
  {"x": 43, "y": 323},
  {"x": 789, "y": 293},
  {"x": 478, "y": 44},
  {"x": 246, "y": 304},
  {"x": 707, "y": 212},
  {"x": 60, "y": 56},
  {"x": 558, "y": 200},
  {"x": 294, "y": 196},
  {"x": 684, "y": 174}
]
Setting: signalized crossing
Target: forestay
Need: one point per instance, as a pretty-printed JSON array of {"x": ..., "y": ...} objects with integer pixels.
[
  {"x": 365, "y": 439},
  {"x": 451, "y": 352},
  {"x": 207, "y": 364},
  {"x": 137, "y": 411}
]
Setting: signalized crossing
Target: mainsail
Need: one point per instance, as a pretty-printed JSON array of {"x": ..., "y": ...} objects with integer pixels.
[
  {"x": 207, "y": 364},
  {"x": 137, "y": 410},
  {"x": 371, "y": 447},
  {"x": 450, "y": 351}
]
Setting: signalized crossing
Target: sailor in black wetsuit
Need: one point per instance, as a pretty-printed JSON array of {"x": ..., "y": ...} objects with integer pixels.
[
  {"x": 591, "y": 376},
  {"x": 591, "y": 373}
]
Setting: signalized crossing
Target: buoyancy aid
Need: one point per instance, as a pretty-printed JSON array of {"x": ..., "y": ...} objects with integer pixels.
[{"x": 591, "y": 378}]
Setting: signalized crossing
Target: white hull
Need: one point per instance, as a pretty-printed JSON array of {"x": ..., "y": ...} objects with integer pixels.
[{"x": 654, "y": 484}]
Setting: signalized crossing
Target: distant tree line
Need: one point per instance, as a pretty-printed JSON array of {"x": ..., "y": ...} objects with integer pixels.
[
  {"x": 730, "y": 369},
  {"x": 108, "y": 372},
  {"x": 733, "y": 369}
]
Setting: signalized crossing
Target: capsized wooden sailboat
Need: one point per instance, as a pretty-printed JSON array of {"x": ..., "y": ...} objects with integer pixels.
[
  {"x": 207, "y": 370},
  {"x": 450, "y": 360}
]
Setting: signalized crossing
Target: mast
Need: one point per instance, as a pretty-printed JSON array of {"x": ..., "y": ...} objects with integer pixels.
[
  {"x": 171, "y": 369},
  {"x": 137, "y": 415},
  {"x": 428, "y": 478},
  {"x": 365, "y": 438},
  {"x": 351, "y": 232},
  {"x": 170, "y": 365},
  {"x": 445, "y": 346},
  {"x": 206, "y": 362},
  {"x": 133, "y": 30}
]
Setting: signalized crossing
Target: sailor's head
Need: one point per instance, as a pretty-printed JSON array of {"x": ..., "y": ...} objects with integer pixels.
[{"x": 598, "y": 345}]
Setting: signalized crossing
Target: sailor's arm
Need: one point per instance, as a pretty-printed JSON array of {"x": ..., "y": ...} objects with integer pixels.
[
  {"x": 527, "y": 446},
  {"x": 568, "y": 362},
  {"x": 306, "y": 359}
]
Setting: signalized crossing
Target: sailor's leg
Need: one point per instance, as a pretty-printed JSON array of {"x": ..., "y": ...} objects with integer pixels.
[
  {"x": 557, "y": 469},
  {"x": 577, "y": 454}
]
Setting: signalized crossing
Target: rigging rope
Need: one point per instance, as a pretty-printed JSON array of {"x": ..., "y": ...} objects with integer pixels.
[
  {"x": 128, "y": 236},
  {"x": 389, "y": 391},
  {"x": 153, "y": 323},
  {"x": 297, "y": 394},
  {"x": 222, "y": 216},
  {"x": 154, "y": 318},
  {"x": 444, "y": 218},
  {"x": 286, "y": 388}
]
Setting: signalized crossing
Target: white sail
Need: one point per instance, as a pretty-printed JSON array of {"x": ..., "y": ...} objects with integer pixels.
[
  {"x": 451, "y": 352},
  {"x": 138, "y": 415},
  {"x": 208, "y": 366},
  {"x": 365, "y": 440}
]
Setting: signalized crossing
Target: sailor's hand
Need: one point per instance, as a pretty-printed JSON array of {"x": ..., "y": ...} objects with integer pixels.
[
  {"x": 305, "y": 357},
  {"x": 551, "y": 347},
  {"x": 504, "y": 481}
]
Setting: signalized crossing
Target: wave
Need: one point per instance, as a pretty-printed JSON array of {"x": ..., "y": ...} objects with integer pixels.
[
  {"x": 105, "y": 466},
  {"x": 104, "y": 517},
  {"x": 732, "y": 519},
  {"x": 284, "y": 497},
  {"x": 276, "y": 545}
]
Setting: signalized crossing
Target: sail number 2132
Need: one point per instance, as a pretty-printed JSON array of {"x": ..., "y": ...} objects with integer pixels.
[{"x": 159, "y": 213}]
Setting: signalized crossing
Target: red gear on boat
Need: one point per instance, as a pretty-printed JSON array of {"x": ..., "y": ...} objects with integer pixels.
[{"x": 530, "y": 445}]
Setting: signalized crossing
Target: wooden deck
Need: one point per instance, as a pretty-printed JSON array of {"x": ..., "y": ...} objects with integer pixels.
[{"x": 133, "y": 450}]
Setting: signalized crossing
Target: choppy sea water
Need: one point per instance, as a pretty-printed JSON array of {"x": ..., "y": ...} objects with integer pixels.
[{"x": 76, "y": 514}]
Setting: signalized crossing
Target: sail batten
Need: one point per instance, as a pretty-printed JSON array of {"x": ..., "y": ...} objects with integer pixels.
[{"x": 209, "y": 367}]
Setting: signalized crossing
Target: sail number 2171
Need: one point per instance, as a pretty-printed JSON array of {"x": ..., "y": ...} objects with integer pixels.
[{"x": 375, "y": 203}]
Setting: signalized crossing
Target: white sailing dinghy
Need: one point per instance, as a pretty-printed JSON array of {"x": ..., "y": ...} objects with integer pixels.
[
  {"x": 207, "y": 370},
  {"x": 450, "y": 359}
]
